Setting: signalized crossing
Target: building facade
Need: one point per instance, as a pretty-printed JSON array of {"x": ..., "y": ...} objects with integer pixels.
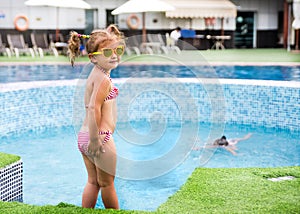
[{"x": 257, "y": 24}]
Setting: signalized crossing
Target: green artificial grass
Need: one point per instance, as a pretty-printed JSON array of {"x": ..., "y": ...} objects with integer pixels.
[
  {"x": 6, "y": 159},
  {"x": 237, "y": 191},
  {"x": 61, "y": 208},
  {"x": 210, "y": 190},
  {"x": 251, "y": 55},
  {"x": 228, "y": 55}
]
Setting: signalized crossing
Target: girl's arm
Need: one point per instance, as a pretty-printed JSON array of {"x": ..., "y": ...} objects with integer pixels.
[{"x": 100, "y": 92}]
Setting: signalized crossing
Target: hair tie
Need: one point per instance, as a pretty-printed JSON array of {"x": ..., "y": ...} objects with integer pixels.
[{"x": 83, "y": 36}]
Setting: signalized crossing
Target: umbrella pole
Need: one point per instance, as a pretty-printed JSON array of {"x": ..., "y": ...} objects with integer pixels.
[
  {"x": 57, "y": 20},
  {"x": 144, "y": 28}
]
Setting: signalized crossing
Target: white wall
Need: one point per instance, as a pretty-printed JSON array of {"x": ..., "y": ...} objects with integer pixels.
[
  {"x": 45, "y": 17},
  {"x": 40, "y": 17}
]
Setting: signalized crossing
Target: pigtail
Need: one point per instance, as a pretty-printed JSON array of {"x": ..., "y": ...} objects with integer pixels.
[
  {"x": 73, "y": 46},
  {"x": 112, "y": 29}
]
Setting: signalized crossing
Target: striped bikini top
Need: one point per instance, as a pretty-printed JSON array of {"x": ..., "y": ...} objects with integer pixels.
[{"x": 112, "y": 94}]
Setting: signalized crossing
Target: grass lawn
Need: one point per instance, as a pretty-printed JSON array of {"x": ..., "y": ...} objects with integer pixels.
[
  {"x": 7, "y": 159},
  {"x": 228, "y": 55},
  {"x": 237, "y": 191},
  {"x": 210, "y": 190}
]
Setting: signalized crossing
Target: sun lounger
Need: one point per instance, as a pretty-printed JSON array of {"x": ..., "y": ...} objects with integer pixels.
[
  {"x": 171, "y": 45},
  {"x": 41, "y": 45},
  {"x": 135, "y": 43},
  {"x": 155, "y": 39},
  {"x": 158, "y": 38},
  {"x": 132, "y": 46},
  {"x": 17, "y": 45},
  {"x": 4, "y": 49},
  {"x": 59, "y": 43}
]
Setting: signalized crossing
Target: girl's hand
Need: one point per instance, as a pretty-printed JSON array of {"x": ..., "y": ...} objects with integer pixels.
[{"x": 95, "y": 149}]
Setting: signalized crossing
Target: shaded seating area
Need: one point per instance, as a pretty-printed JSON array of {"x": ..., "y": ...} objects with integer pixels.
[
  {"x": 3, "y": 49},
  {"x": 211, "y": 12},
  {"x": 41, "y": 45},
  {"x": 155, "y": 44},
  {"x": 18, "y": 46}
]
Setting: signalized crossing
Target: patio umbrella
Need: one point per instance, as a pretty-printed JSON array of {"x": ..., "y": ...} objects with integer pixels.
[
  {"x": 57, "y": 4},
  {"x": 140, "y": 6}
]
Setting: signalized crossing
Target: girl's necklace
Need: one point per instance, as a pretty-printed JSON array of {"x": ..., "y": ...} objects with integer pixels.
[{"x": 102, "y": 69}]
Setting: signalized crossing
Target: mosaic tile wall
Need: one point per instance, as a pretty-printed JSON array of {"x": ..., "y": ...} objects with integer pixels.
[
  {"x": 35, "y": 108},
  {"x": 270, "y": 106},
  {"x": 257, "y": 105},
  {"x": 11, "y": 186}
]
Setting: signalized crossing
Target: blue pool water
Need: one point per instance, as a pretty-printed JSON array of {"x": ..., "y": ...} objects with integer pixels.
[
  {"x": 16, "y": 73},
  {"x": 54, "y": 170}
]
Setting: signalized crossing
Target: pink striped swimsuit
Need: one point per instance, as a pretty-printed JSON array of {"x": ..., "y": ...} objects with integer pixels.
[
  {"x": 84, "y": 137},
  {"x": 114, "y": 92}
]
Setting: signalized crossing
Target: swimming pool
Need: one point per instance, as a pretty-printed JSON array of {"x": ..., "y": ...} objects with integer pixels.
[
  {"x": 54, "y": 171},
  {"x": 36, "y": 113},
  {"x": 18, "y": 73}
]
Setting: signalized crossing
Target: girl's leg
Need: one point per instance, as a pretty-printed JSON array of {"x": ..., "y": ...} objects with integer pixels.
[
  {"x": 235, "y": 141},
  {"x": 108, "y": 191},
  {"x": 106, "y": 169},
  {"x": 91, "y": 190}
]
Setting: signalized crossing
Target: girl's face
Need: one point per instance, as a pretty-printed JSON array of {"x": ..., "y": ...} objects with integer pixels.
[{"x": 108, "y": 57}]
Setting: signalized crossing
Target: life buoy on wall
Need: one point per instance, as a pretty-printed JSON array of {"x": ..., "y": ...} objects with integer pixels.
[
  {"x": 133, "y": 21},
  {"x": 21, "y": 27}
]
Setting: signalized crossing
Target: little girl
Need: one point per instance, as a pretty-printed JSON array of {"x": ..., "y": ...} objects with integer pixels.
[{"x": 95, "y": 140}]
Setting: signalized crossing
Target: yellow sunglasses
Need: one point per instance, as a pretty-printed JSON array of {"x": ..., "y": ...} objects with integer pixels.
[{"x": 108, "y": 52}]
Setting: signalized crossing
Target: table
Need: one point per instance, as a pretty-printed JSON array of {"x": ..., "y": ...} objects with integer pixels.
[{"x": 218, "y": 41}]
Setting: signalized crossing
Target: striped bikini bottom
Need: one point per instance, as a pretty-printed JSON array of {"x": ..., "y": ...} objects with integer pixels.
[{"x": 84, "y": 137}]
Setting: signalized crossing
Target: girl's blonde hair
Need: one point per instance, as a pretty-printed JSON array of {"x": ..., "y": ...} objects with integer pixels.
[{"x": 97, "y": 39}]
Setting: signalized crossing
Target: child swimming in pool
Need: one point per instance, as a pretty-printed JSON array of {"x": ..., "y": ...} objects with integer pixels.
[
  {"x": 95, "y": 141},
  {"x": 229, "y": 145}
]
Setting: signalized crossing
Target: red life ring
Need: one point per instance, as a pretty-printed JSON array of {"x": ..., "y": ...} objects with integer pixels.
[
  {"x": 21, "y": 27},
  {"x": 133, "y": 21}
]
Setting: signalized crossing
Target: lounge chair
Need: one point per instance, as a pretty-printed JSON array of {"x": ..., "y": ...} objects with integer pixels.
[
  {"x": 59, "y": 43},
  {"x": 17, "y": 45},
  {"x": 135, "y": 43},
  {"x": 132, "y": 46},
  {"x": 4, "y": 49},
  {"x": 171, "y": 44},
  {"x": 157, "y": 39},
  {"x": 41, "y": 45}
]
